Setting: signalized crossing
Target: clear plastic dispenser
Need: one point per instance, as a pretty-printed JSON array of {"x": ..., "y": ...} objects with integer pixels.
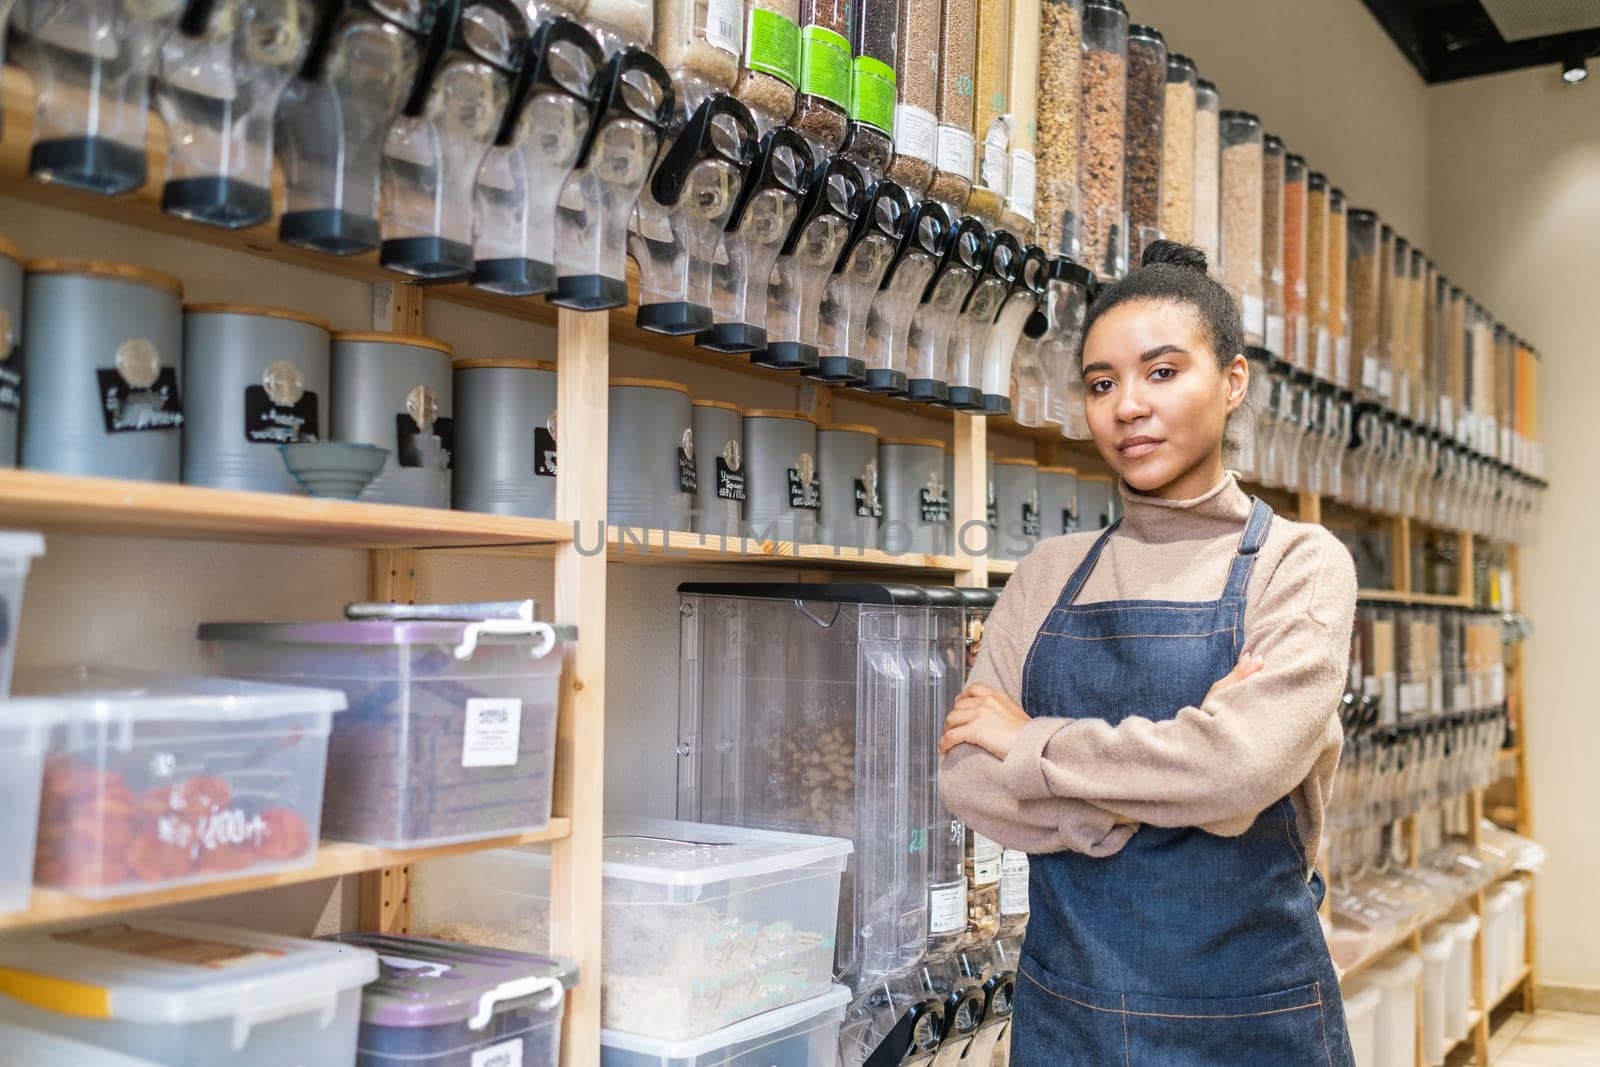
[
  {"x": 964, "y": 360},
  {"x": 217, "y": 89},
  {"x": 999, "y": 351},
  {"x": 335, "y": 114},
  {"x": 762, "y": 216},
  {"x": 534, "y": 152},
  {"x": 632, "y": 109},
  {"x": 935, "y": 318},
  {"x": 435, "y": 148},
  {"x": 847, "y": 297},
  {"x": 1066, "y": 302},
  {"x": 827, "y": 215},
  {"x": 889, "y": 320},
  {"x": 91, "y": 62},
  {"x": 685, "y": 208}
]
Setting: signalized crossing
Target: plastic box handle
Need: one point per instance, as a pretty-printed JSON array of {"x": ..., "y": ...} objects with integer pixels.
[{"x": 516, "y": 990}]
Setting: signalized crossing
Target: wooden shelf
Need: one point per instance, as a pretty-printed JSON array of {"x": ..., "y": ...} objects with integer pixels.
[
  {"x": 1002, "y": 568},
  {"x": 333, "y": 860},
  {"x": 632, "y": 545},
  {"x": 38, "y": 500},
  {"x": 1511, "y": 988},
  {"x": 1421, "y": 600}
]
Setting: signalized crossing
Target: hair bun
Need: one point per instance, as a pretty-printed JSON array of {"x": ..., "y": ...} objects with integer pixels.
[{"x": 1174, "y": 254}]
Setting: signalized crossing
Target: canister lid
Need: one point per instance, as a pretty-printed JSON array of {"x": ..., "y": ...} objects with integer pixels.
[
  {"x": 504, "y": 362},
  {"x": 649, "y": 383},
  {"x": 1148, "y": 33},
  {"x": 1016, "y": 461},
  {"x": 1108, "y": 479},
  {"x": 818, "y": 592},
  {"x": 1236, "y": 115},
  {"x": 1317, "y": 180},
  {"x": 1274, "y": 143},
  {"x": 1059, "y": 470},
  {"x": 1179, "y": 61},
  {"x": 849, "y": 427},
  {"x": 258, "y": 310},
  {"x": 723, "y": 404},
  {"x": 102, "y": 268},
  {"x": 1208, "y": 85},
  {"x": 380, "y": 337},
  {"x": 926, "y": 442},
  {"x": 9, "y": 250},
  {"x": 779, "y": 413}
]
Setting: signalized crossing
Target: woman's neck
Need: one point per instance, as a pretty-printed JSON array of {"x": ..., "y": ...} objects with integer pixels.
[{"x": 1191, "y": 483}]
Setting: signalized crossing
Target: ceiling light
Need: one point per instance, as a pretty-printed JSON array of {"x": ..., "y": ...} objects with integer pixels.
[{"x": 1575, "y": 70}]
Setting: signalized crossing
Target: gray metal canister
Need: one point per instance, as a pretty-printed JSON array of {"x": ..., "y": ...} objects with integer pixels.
[
  {"x": 103, "y": 392},
  {"x": 783, "y": 490},
  {"x": 394, "y": 391},
  {"x": 852, "y": 500},
  {"x": 1098, "y": 502},
  {"x": 1058, "y": 501},
  {"x": 719, "y": 467},
  {"x": 914, "y": 473},
  {"x": 651, "y": 476},
  {"x": 254, "y": 378},
  {"x": 505, "y": 458},
  {"x": 11, "y": 351},
  {"x": 1016, "y": 493}
]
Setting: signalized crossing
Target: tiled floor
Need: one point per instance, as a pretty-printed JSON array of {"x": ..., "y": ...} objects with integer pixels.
[{"x": 1549, "y": 1039}]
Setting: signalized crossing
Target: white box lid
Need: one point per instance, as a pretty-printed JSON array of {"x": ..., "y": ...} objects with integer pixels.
[
  {"x": 116, "y": 695},
  {"x": 751, "y": 1029},
  {"x": 667, "y": 852}
]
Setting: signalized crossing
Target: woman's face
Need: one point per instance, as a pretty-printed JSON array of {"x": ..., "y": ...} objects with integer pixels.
[{"x": 1157, "y": 401}]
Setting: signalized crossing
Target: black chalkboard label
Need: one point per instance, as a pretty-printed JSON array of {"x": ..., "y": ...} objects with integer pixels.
[
  {"x": 128, "y": 409},
  {"x": 266, "y": 423}
]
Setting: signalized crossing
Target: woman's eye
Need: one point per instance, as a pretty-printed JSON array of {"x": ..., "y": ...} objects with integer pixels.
[
  {"x": 1100, "y": 385},
  {"x": 1162, "y": 374}
]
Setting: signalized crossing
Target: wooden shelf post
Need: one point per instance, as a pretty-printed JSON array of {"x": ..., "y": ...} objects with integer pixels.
[{"x": 970, "y": 515}]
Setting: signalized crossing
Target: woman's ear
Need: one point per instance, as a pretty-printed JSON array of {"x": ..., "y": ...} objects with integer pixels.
[{"x": 1237, "y": 379}]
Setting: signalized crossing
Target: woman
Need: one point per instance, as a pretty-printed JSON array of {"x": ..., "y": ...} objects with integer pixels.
[{"x": 1153, "y": 717}]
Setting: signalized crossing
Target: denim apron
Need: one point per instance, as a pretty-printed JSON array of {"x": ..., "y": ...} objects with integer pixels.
[{"x": 1184, "y": 948}]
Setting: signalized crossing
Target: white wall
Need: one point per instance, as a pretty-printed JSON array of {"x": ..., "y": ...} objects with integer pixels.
[{"x": 1515, "y": 161}]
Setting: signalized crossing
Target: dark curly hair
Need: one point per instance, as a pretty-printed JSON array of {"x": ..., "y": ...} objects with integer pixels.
[{"x": 1176, "y": 273}]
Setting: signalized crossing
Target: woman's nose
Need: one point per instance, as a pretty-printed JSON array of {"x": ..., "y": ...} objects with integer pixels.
[{"x": 1131, "y": 402}]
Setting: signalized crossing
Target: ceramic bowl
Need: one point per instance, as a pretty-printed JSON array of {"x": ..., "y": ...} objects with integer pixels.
[{"x": 338, "y": 469}]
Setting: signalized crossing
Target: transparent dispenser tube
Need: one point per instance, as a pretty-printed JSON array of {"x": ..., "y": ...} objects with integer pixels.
[
  {"x": 761, "y": 218},
  {"x": 632, "y": 110},
  {"x": 889, "y": 319},
  {"x": 1028, "y": 379},
  {"x": 847, "y": 296},
  {"x": 91, "y": 61},
  {"x": 964, "y": 360},
  {"x": 217, "y": 90},
  {"x": 434, "y": 150},
  {"x": 954, "y": 145},
  {"x": 1102, "y": 139},
  {"x": 1208, "y": 170},
  {"x": 992, "y": 130},
  {"x": 685, "y": 208},
  {"x": 6, "y": 8},
  {"x": 1000, "y": 349},
  {"x": 916, "y": 124},
  {"x": 1067, "y": 303},
  {"x": 1273, "y": 169},
  {"x": 335, "y": 114},
  {"x": 810, "y": 252},
  {"x": 935, "y": 318},
  {"x": 769, "y": 67},
  {"x": 1298, "y": 347},
  {"x": 1243, "y": 173},
  {"x": 538, "y": 144},
  {"x": 874, "y": 51},
  {"x": 1365, "y": 282},
  {"x": 1147, "y": 105}
]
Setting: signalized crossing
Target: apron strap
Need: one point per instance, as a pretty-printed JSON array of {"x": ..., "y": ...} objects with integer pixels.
[
  {"x": 1250, "y": 542},
  {"x": 1069, "y": 592}
]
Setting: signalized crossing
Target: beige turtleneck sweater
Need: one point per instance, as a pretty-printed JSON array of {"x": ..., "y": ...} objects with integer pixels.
[{"x": 1082, "y": 785}]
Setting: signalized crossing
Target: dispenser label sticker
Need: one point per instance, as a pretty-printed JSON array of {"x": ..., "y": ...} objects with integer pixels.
[
  {"x": 772, "y": 45},
  {"x": 915, "y": 131},
  {"x": 955, "y": 151},
  {"x": 129, "y": 408},
  {"x": 985, "y": 860},
  {"x": 505, "y": 1054},
  {"x": 933, "y": 505},
  {"x": 947, "y": 909},
  {"x": 493, "y": 732},
  {"x": 430, "y": 451},
  {"x": 868, "y": 504},
  {"x": 825, "y": 65},
  {"x": 722, "y": 24},
  {"x": 804, "y": 489},
  {"x": 992, "y": 174},
  {"x": 1030, "y": 519},
  {"x": 544, "y": 452},
  {"x": 872, "y": 93},
  {"x": 1369, "y": 373},
  {"x": 269, "y": 423},
  {"x": 730, "y": 481},
  {"x": 1255, "y": 315},
  {"x": 1275, "y": 332},
  {"x": 1324, "y": 353},
  {"x": 1021, "y": 192},
  {"x": 1014, "y": 883}
]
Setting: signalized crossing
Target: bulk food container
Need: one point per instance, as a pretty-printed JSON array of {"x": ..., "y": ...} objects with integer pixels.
[
  {"x": 651, "y": 479},
  {"x": 1102, "y": 139},
  {"x": 395, "y": 392},
  {"x": 159, "y": 780},
  {"x": 1396, "y": 386},
  {"x": 1002, "y": 266},
  {"x": 36, "y": 1048},
  {"x": 1147, "y": 104},
  {"x": 1318, "y": 317},
  {"x": 334, "y": 116},
  {"x": 1298, "y": 349},
  {"x": 807, "y": 1032},
  {"x": 928, "y": 341},
  {"x": 1396, "y": 977},
  {"x": 255, "y": 378},
  {"x": 1065, "y": 305},
  {"x": 1420, "y": 364},
  {"x": 955, "y": 147},
  {"x": 18, "y": 550},
  {"x": 703, "y": 926},
  {"x": 1177, "y": 150},
  {"x": 769, "y": 61},
  {"x": 1361, "y": 1000},
  {"x": 1242, "y": 180},
  {"x": 1017, "y": 310},
  {"x": 24, "y": 740},
  {"x": 991, "y": 129},
  {"x": 823, "y": 105},
  {"x": 810, "y": 251},
  {"x": 852, "y": 504},
  {"x": 102, "y": 395},
  {"x": 1208, "y": 171},
  {"x": 874, "y": 242},
  {"x": 1016, "y": 490},
  {"x": 874, "y": 51},
  {"x": 699, "y": 43},
  {"x": 1437, "y": 944},
  {"x": 1365, "y": 285},
  {"x": 805, "y": 709},
  {"x": 1058, "y": 501},
  {"x": 91, "y": 65},
  {"x": 916, "y": 72},
  {"x": 535, "y": 148},
  {"x": 217, "y": 89},
  {"x": 187, "y": 994},
  {"x": 11, "y": 353},
  {"x": 1382, "y": 387},
  {"x": 1272, "y": 241},
  {"x": 783, "y": 495},
  {"x": 1022, "y": 104},
  {"x": 450, "y": 732},
  {"x": 1098, "y": 502},
  {"x": 1458, "y": 988},
  {"x": 719, "y": 468},
  {"x": 1345, "y": 376},
  {"x": 947, "y": 880},
  {"x": 440, "y": 1003},
  {"x": 505, "y": 457},
  {"x": 905, "y": 283},
  {"x": 916, "y": 496}
]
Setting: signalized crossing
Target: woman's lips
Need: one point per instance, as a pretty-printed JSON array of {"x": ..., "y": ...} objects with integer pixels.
[{"x": 1138, "y": 447}]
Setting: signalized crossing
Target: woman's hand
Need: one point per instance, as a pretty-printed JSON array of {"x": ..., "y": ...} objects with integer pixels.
[
  {"x": 986, "y": 718},
  {"x": 1249, "y": 664}
]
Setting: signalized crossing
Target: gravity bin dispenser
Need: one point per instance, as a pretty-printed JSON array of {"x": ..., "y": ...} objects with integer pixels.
[
  {"x": 964, "y": 366},
  {"x": 842, "y": 320},
  {"x": 904, "y": 283},
  {"x": 935, "y": 317},
  {"x": 816, "y": 709},
  {"x": 1000, "y": 349}
]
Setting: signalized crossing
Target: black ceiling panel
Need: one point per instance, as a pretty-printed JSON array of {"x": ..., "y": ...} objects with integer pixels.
[{"x": 1447, "y": 40}]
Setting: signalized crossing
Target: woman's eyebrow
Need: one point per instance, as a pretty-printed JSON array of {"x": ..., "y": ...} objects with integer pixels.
[{"x": 1154, "y": 353}]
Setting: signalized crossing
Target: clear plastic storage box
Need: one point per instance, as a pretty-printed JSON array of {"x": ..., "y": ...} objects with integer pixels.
[
  {"x": 447, "y": 1005},
  {"x": 35, "y": 1048},
  {"x": 189, "y": 995},
  {"x": 24, "y": 736},
  {"x": 17, "y": 553},
  {"x": 803, "y": 1033},
  {"x": 157, "y": 780},
  {"x": 704, "y": 926},
  {"x": 451, "y": 730}
]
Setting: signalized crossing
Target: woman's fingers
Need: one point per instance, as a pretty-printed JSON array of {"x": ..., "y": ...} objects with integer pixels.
[{"x": 1249, "y": 665}]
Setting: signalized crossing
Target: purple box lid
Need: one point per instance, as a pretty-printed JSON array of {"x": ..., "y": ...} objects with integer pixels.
[{"x": 422, "y": 982}]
